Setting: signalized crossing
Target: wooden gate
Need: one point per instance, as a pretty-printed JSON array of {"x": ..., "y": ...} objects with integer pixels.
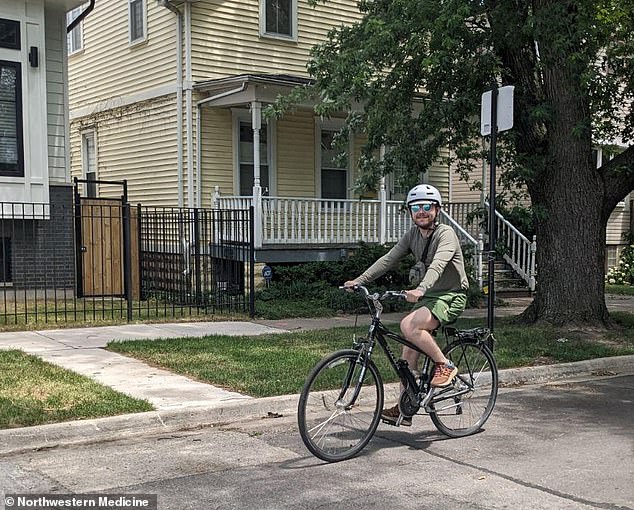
[{"x": 100, "y": 238}]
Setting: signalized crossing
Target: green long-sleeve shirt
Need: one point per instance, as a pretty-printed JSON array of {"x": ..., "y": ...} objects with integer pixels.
[{"x": 444, "y": 260}]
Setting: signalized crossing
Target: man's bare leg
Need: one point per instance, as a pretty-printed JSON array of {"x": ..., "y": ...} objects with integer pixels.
[{"x": 417, "y": 327}]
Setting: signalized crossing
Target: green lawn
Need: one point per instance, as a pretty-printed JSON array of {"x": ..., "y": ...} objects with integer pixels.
[
  {"x": 34, "y": 392},
  {"x": 624, "y": 290},
  {"x": 278, "y": 364}
]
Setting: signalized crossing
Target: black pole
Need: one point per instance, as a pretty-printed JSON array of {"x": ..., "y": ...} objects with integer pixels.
[
  {"x": 127, "y": 250},
  {"x": 197, "y": 272},
  {"x": 79, "y": 247},
  {"x": 251, "y": 263},
  {"x": 492, "y": 228}
]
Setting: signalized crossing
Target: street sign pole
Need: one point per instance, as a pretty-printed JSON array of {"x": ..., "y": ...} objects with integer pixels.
[
  {"x": 496, "y": 115},
  {"x": 492, "y": 228}
]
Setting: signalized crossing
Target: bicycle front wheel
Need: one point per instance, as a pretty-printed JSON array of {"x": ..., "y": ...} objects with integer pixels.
[
  {"x": 340, "y": 406},
  {"x": 463, "y": 408}
]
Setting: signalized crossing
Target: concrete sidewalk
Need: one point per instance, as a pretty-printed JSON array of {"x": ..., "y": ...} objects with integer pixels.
[
  {"x": 183, "y": 403},
  {"x": 81, "y": 350}
]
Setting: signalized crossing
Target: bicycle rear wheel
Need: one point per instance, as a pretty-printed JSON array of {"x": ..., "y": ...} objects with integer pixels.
[
  {"x": 340, "y": 406},
  {"x": 463, "y": 408}
]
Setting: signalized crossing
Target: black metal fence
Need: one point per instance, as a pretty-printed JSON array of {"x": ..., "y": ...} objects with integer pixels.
[
  {"x": 196, "y": 258},
  {"x": 82, "y": 260}
]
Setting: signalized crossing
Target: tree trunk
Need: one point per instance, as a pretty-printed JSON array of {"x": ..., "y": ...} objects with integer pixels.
[
  {"x": 571, "y": 196},
  {"x": 570, "y": 282}
]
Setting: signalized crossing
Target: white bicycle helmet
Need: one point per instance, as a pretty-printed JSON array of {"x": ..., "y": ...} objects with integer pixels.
[{"x": 423, "y": 193}]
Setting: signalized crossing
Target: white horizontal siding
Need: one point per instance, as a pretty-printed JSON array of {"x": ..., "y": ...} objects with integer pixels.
[
  {"x": 109, "y": 67},
  {"x": 216, "y": 153},
  {"x": 619, "y": 223},
  {"x": 58, "y": 169},
  {"x": 226, "y": 40},
  {"x": 139, "y": 145},
  {"x": 296, "y": 155}
]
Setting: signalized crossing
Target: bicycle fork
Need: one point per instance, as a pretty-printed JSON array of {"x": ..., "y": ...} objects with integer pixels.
[{"x": 362, "y": 362}]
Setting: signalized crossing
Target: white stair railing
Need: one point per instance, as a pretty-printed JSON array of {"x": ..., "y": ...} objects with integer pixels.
[{"x": 519, "y": 251}]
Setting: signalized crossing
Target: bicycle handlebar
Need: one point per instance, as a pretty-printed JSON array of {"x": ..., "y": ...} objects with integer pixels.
[{"x": 398, "y": 294}]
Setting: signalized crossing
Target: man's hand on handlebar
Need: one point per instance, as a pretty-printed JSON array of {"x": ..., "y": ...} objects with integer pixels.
[
  {"x": 350, "y": 285},
  {"x": 412, "y": 296}
]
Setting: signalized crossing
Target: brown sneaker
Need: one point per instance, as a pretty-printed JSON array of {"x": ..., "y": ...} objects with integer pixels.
[
  {"x": 444, "y": 374},
  {"x": 392, "y": 414}
]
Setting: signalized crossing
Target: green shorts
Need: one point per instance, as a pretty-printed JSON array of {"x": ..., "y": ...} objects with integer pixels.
[{"x": 446, "y": 307}]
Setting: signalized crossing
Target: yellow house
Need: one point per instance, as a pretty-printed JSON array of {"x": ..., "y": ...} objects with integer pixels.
[{"x": 168, "y": 95}]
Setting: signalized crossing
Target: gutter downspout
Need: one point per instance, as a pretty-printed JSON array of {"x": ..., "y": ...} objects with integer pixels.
[
  {"x": 81, "y": 17},
  {"x": 188, "y": 105},
  {"x": 179, "y": 94},
  {"x": 199, "y": 106}
]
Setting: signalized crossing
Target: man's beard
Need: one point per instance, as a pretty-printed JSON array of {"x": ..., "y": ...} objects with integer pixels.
[{"x": 425, "y": 223}]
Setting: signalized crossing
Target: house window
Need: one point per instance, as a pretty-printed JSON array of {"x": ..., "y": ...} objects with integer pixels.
[
  {"x": 89, "y": 162},
  {"x": 5, "y": 260},
  {"x": 9, "y": 34},
  {"x": 612, "y": 257},
  {"x": 11, "y": 143},
  {"x": 334, "y": 169},
  {"x": 278, "y": 18},
  {"x": 137, "y": 22},
  {"x": 75, "y": 38},
  {"x": 245, "y": 159}
]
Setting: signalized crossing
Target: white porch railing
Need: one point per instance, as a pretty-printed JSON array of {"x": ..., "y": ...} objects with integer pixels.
[
  {"x": 295, "y": 221},
  {"x": 321, "y": 221},
  {"x": 520, "y": 252}
]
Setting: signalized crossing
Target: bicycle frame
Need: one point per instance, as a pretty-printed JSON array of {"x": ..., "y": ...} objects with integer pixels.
[
  {"x": 337, "y": 425},
  {"x": 419, "y": 392}
]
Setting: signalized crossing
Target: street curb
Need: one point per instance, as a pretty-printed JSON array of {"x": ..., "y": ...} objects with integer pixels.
[{"x": 42, "y": 437}]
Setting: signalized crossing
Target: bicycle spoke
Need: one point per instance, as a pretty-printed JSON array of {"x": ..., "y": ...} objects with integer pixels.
[
  {"x": 465, "y": 411},
  {"x": 335, "y": 424}
]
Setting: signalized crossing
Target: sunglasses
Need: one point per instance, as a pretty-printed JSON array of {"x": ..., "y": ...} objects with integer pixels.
[{"x": 420, "y": 207}]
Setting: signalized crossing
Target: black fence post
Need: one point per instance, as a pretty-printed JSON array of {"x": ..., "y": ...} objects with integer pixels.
[
  {"x": 127, "y": 250},
  {"x": 79, "y": 249},
  {"x": 251, "y": 263},
  {"x": 199, "y": 297},
  {"x": 139, "y": 224}
]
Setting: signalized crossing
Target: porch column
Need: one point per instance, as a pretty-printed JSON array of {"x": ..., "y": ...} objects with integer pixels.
[
  {"x": 382, "y": 204},
  {"x": 256, "y": 122}
]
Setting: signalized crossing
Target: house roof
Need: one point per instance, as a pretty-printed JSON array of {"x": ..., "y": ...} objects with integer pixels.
[
  {"x": 245, "y": 88},
  {"x": 278, "y": 79}
]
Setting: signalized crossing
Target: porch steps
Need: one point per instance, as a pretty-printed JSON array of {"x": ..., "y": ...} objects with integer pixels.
[{"x": 507, "y": 282}]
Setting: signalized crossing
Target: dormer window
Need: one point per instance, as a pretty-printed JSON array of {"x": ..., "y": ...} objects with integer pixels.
[{"x": 278, "y": 18}]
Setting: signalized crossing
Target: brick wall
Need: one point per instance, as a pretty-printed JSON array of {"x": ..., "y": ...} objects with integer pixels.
[{"x": 43, "y": 250}]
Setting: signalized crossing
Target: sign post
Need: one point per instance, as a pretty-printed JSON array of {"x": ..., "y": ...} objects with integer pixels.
[{"x": 496, "y": 115}]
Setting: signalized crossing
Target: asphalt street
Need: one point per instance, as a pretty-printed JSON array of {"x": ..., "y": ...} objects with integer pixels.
[{"x": 561, "y": 445}]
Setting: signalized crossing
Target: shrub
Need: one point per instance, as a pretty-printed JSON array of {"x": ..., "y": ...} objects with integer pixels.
[
  {"x": 334, "y": 273},
  {"x": 315, "y": 284},
  {"x": 623, "y": 273}
]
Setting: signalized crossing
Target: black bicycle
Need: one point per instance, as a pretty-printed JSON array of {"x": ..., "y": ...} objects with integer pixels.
[{"x": 341, "y": 402}]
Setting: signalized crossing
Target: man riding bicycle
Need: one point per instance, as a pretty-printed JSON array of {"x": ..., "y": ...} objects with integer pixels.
[{"x": 440, "y": 294}]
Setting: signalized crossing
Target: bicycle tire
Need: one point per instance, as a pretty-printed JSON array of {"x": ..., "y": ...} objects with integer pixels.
[
  {"x": 459, "y": 415},
  {"x": 331, "y": 430}
]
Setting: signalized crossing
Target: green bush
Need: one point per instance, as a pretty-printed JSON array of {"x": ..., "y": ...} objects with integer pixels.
[
  {"x": 316, "y": 284},
  {"x": 312, "y": 289}
]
